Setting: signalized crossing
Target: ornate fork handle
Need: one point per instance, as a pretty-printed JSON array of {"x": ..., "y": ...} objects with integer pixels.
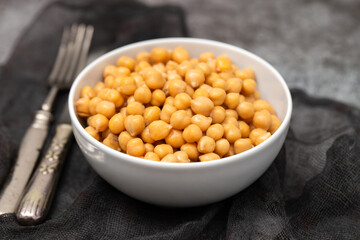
[{"x": 38, "y": 195}]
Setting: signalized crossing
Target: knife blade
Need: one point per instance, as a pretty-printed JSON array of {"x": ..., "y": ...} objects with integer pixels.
[{"x": 37, "y": 197}]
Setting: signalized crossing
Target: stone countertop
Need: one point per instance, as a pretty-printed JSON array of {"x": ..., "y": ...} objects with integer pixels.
[{"x": 313, "y": 44}]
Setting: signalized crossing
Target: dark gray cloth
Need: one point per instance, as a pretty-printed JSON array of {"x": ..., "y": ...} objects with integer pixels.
[{"x": 311, "y": 191}]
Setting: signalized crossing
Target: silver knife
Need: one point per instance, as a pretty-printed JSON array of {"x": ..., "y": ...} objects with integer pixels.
[{"x": 38, "y": 195}]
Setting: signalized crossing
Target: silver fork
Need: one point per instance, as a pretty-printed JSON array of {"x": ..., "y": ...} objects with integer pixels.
[{"x": 68, "y": 63}]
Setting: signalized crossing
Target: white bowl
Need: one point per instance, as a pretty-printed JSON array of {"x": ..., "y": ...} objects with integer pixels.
[{"x": 185, "y": 184}]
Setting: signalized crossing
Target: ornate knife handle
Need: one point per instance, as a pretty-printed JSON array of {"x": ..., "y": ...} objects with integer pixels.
[{"x": 38, "y": 195}]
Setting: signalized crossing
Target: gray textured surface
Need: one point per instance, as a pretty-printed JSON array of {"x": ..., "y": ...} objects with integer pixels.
[{"x": 313, "y": 44}]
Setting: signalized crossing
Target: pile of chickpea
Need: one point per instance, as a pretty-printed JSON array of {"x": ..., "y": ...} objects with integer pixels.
[{"x": 165, "y": 106}]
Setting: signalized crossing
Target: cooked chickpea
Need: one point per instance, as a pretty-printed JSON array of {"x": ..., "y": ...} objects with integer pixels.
[
  {"x": 263, "y": 105},
  {"x": 180, "y": 119},
  {"x": 149, "y": 147},
  {"x": 275, "y": 124},
  {"x": 248, "y": 86},
  {"x": 231, "y": 113},
  {"x": 123, "y": 139},
  {"x": 206, "y": 87},
  {"x": 122, "y": 72},
  {"x": 182, "y": 101},
  {"x": 142, "y": 94},
  {"x": 104, "y": 134},
  {"x": 194, "y": 77},
  {"x": 140, "y": 66},
  {"x": 111, "y": 95},
  {"x": 175, "y": 138},
  {"x": 189, "y": 90},
  {"x": 234, "y": 85},
  {"x": 127, "y": 62},
  {"x": 143, "y": 56},
  {"x": 192, "y": 133},
  {"x": 163, "y": 149},
  {"x": 204, "y": 68},
  {"x": 176, "y": 86},
  {"x": 169, "y": 101},
  {"x": 245, "y": 73},
  {"x": 106, "y": 108},
  {"x": 255, "y": 133},
  {"x": 98, "y": 87},
  {"x": 135, "y": 108},
  {"x": 145, "y": 135},
  {"x": 241, "y": 145},
  {"x": 169, "y": 158},
  {"x": 261, "y": 138},
  {"x": 99, "y": 122},
  {"x": 231, "y": 120},
  {"x": 159, "y": 129},
  {"x": 160, "y": 67},
  {"x": 215, "y": 131},
  {"x": 110, "y": 70},
  {"x": 166, "y": 112},
  {"x": 217, "y": 95},
  {"x": 159, "y": 55},
  {"x": 183, "y": 68},
  {"x": 244, "y": 128},
  {"x": 220, "y": 83},
  {"x": 201, "y": 121},
  {"x": 158, "y": 98},
  {"x": 232, "y": 132},
  {"x": 82, "y": 107},
  {"x": 245, "y": 110},
  {"x": 171, "y": 66},
  {"x": 154, "y": 79},
  {"x": 222, "y": 146},
  {"x": 204, "y": 57},
  {"x": 151, "y": 114},
  {"x": 182, "y": 157},
  {"x": 152, "y": 156},
  {"x": 111, "y": 141},
  {"x": 232, "y": 100},
  {"x": 135, "y": 147},
  {"x": 87, "y": 92},
  {"x": 134, "y": 124},
  {"x": 200, "y": 92},
  {"x": 223, "y": 63},
  {"x": 262, "y": 119},
  {"x": 180, "y": 54},
  {"x": 202, "y": 105},
  {"x": 92, "y": 131},
  {"x": 208, "y": 157},
  {"x": 206, "y": 144},
  {"x": 127, "y": 85},
  {"x": 257, "y": 95},
  {"x": 191, "y": 151},
  {"x": 218, "y": 114},
  {"x": 116, "y": 123}
]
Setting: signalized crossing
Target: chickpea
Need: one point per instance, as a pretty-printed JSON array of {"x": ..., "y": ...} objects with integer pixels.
[
  {"x": 189, "y": 90},
  {"x": 244, "y": 128},
  {"x": 248, "y": 86},
  {"x": 257, "y": 95},
  {"x": 180, "y": 54},
  {"x": 245, "y": 110},
  {"x": 122, "y": 72},
  {"x": 182, "y": 101},
  {"x": 261, "y": 138},
  {"x": 200, "y": 92},
  {"x": 232, "y": 100},
  {"x": 82, "y": 107},
  {"x": 159, "y": 55},
  {"x": 223, "y": 63},
  {"x": 135, "y": 108},
  {"x": 116, "y": 123},
  {"x": 202, "y": 105},
  {"x": 217, "y": 95},
  {"x": 226, "y": 75},
  {"x": 232, "y": 132},
  {"x": 182, "y": 157},
  {"x": 143, "y": 94},
  {"x": 222, "y": 146},
  {"x": 140, "y": 66},
  {"x": 99, "y": 122},
  {"x": 215, "y": 131},
  {"x": 169, "y": 101},
  {"x": 231, "y": 120},
  {"x": 154, "y": 79},
  {"x": 234, "y": 85},
  {"x": 134, "y": 124},
  {"x": 92, "y": 131},
  {"x": 194, "y": 77},
  {"x": 183, "y": 68},
  {"x": 143, "y": 56},
  {"x": 206, "y": 87},
  {"x": 241, "y": 145},
  {"x": 262, "y": 119},
  {"x": 135, "y": 147},
  {"x": 163, "y": 149},
  {"x": 127, "y": 85},
  {"x": 145, "y": 135},
  {"x": 169, "y": 158},
  {"x": 110, "y": 70},
  {"x": 245, "y": 73},
  {"x": 123, "y": 139},
  {"x": 106, "y": 108},
  {"x": 111, "y": 95},
  {"x": 263, "y": 105},
  {"x": 159, "y": 129},
  {"x": 87, "y": 92},
  {"x": 250, "y": 98},
  {"x": 192, "y": 133},
  {"x": 201, "y": 121},
  {"x": 206, "y": 144},
  {"x": 275, "y": 124},
  {"x": 220, "y": 83},
  {"x": 111, "y": 141},
  {"x": 98, "y": 87},
  {"x": 151, "y": 114},
  {"x": 171, "y": 66},
  {"x": 149, "y": 147},
  {"x": 127, "y": 62},
  {"x": 176, "y": 86},
  {"x": 212, "y": 78},
  {"x": 160, "y": 67},
  {"x": 231, "y": 113},
  {"x": 204, "y": 68},
  {"x": 191, "y": 151},
  {"x": 166, "y": 112},
  {"x": 152, "y": 156},
  {"x": 175, "y": 138},
  {"x": 217, "y": 114},
  {"x": 194, "y": 62},
  {"x": 208, "y": 157},
  {"x": 104, "y": 134},
  {"x": 110, "y": 81},
  {"x": 180, "y": 119},
  {"x": 255, "y": 133},
  {"x": 204, "y": 57},
  {"x": 158, "y": 98}
]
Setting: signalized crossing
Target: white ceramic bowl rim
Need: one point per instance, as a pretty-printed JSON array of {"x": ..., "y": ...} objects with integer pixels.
[{"x": 135, "y": 160}]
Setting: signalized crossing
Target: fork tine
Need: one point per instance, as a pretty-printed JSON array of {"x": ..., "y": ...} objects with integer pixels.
[
  {"x": 85, "y": 49},
  {"x": 60, "y": 56}
]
